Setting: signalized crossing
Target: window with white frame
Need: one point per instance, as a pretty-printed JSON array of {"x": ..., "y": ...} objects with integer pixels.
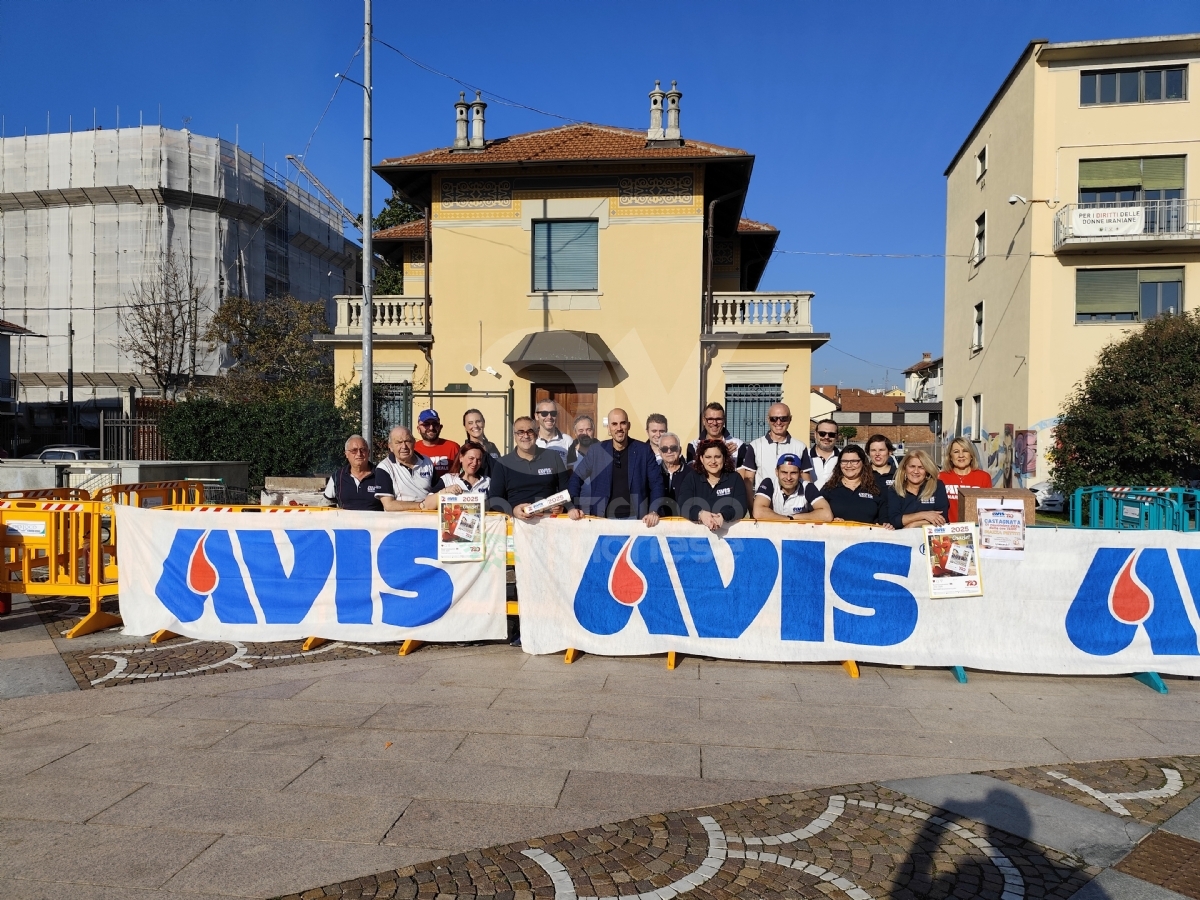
[
  {"x": 958, "y": 417},
  {"x": 977, "y": 330},
  {"x": 981, "y": 161},
  {"x": 977, "y": 417},
  {"x": 979, "y": 247}
]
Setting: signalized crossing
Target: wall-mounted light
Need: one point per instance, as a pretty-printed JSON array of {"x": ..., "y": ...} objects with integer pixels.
[
  {"x": 470, "y": 368},
  {"x": 1014, "y": 199},
  {"x": 492, "y": 372}
]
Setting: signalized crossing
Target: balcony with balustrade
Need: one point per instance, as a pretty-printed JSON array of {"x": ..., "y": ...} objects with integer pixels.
[
  {"x": 737, "y": 316},
  {"x": 1127, "y": 225},
  {"x": 399, "y": 320}
]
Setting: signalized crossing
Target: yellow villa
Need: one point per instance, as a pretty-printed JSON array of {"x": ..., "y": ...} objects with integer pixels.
[
  {"x": 576, "y": 264},
  {"x": 1070, "y": 220}
]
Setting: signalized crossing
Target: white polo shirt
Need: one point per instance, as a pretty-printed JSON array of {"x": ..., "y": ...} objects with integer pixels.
[
  {"x": 411, "y": 484},
  {"x": 823, "y": 468},
  {"x": 767, "y": 453},
  {"x": 560, "y": 444}
]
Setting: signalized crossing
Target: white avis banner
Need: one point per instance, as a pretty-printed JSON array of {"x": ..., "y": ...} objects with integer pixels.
[
  {"x": 1078, "y": 601},
  {"x": 358, "y": 576}
]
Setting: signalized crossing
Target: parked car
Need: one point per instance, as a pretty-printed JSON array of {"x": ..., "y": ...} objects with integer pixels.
[
  {"x": 68, "y": 453},
  {"x": 1048, "y": 499}
]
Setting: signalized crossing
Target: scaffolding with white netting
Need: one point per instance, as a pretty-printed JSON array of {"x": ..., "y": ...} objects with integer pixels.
[{"x": 87, "y": 217}]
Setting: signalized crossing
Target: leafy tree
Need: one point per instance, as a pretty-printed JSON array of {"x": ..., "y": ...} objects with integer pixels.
[
  {"x": 270, "y": 347},
  {"x": 1135, "y": 417}
]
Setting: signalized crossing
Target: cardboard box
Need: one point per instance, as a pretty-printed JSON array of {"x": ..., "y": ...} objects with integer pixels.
[{"x": 967, "y": 497}]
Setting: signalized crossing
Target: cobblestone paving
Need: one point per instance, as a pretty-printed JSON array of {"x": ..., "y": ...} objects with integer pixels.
[
  {"x": 1121, "y": 776},
  {"x": 1168, "y": 860},
  {"x": 134, "y": 662},
  {"x": 857, "y": 841}
]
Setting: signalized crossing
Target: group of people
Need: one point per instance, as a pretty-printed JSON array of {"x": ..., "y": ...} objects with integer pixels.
[{"x": 713, "y": 481}]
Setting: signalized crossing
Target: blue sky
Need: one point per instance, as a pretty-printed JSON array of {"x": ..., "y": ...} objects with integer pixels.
[{"x": 853, "y": 110}]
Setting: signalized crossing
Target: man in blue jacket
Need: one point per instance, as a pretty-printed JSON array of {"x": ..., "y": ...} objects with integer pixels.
[{"x": 618, "y": 479}]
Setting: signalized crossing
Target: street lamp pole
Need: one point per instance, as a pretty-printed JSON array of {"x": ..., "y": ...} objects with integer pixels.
[{"x": 368, "y": 310}]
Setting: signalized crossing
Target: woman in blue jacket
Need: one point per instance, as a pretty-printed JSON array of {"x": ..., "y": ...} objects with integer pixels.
[{"x": 918, "y": 497}]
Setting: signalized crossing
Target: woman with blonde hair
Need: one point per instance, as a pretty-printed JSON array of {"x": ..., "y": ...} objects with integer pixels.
[
  {"x": 961, "y": 470},
  {"x": 918, "y": 497}
]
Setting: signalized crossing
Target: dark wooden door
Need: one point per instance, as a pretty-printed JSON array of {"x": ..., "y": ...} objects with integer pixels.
[{"x": 572, "y": 400}]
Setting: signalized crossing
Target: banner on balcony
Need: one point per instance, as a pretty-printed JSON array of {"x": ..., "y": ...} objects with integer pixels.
[
  {"x": 1116, "y": 220},
  {"x": 1078, "y": 601},
  {"x": 357, "y": 576}
]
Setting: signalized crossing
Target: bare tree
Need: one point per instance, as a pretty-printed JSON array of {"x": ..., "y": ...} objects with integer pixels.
[{"x": 161, "y": 324}]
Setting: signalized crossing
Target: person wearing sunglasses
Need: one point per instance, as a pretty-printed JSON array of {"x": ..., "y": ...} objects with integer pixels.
[
  {"x": 825, "y": 452},
  {"x": 789, "y": 496},
  {"x": 775, "y": 443},
  {"x": 528, "y": 474},
  {"x": 674, "y": 470},
  {"x": 853, "y": 493},
  {"x": 618, "y": 478},
  {"x": 359, "y": 485},
  {"x": 549, "y": 437}
]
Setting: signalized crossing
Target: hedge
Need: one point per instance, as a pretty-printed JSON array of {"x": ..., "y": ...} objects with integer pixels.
[{"x": 277, "y": 437}]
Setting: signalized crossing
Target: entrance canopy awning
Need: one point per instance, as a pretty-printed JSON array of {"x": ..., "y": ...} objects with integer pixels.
[{"x": 575, "y": 354}]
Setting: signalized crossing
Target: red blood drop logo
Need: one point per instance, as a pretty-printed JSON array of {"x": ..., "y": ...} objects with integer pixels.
[
  {"x": 625, "y": 582},
  {"x": 202, "y": 577},
  {"x": 1130, "y": 601}
]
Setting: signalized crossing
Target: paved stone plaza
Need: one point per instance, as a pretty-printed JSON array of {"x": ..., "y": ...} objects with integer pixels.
[{"x": 486, "y": 771}]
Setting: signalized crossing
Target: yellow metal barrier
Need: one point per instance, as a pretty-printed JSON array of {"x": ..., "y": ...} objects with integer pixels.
[
  {"x": 63, "y": 493},
  {"x": 58, "y": 549},
  {"x": 152, "y": 494}
]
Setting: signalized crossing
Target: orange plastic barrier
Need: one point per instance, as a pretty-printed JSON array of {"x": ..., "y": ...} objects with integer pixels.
[
  {"x": 151, "y": 494},
  {"x": 60, "y": 549},
  {"x": 247, "y": 508},
  {"x": 63, "y": 493}
]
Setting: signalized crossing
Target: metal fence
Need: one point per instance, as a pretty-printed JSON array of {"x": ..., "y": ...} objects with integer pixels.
[
  {"x": 746, "y": 408},
  {"x": 130, "y": 439}
]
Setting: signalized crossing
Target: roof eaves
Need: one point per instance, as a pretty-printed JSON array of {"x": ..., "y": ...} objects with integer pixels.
[{"x": 1025, "y": 56}]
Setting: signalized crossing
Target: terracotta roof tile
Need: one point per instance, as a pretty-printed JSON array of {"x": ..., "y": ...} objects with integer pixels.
[
  {"x": 923, "y": 365},
  {"x": 858, "y": 400},
  {"x": 408, "y": 231},
  {"x": 749, "y": 226},
  {"x": 581, "y": 141},
  {"x": 10, "y": 328}
]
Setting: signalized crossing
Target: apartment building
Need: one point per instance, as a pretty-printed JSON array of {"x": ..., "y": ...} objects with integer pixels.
[
  {"x": 574, "y": 263},
  {"x": 1068, "y": 223}
]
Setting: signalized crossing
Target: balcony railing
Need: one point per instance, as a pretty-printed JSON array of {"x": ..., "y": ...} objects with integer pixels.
[
  {"x": 393, "y": 314},
  {"x": 1122, "y": 221},
  {"x": 753, "y": 312}
]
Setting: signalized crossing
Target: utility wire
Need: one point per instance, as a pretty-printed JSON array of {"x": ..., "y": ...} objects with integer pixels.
[
  {"x": 491, "y": 95},
  {"x": 337, "y": 87},
  {"x": 867, "y": 361}
]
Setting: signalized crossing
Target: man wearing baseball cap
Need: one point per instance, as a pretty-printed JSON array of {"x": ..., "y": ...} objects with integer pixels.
[
  {"x": 443, "y": 454},
  {"x": 788, "y": 496}
]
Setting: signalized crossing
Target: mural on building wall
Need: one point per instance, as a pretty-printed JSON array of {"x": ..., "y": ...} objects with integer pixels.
[{"x": 1025, "y": 455}]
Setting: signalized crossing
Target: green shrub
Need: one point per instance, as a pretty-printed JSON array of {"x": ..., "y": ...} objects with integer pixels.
[{"x": 277, "y": 436}]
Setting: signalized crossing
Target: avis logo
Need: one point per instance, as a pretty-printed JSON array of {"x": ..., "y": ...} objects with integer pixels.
[
  {"x": 203, "y": 566},
  {"x": 1125, "y": 590},
  {"x": 628, "y": 574}
]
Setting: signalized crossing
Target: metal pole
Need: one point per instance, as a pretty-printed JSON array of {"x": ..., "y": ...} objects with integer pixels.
[
  {"x": 71, "y": 376},
  {"x": 368, "y": 312}
]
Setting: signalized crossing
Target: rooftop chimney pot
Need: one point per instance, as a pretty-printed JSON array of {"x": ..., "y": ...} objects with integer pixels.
[
  {"x": 477, "y": 108},
  {"x": 655, "y": 131},
  {"x": 460, "y": 122},
  {"x": 672, "y": 130}
]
